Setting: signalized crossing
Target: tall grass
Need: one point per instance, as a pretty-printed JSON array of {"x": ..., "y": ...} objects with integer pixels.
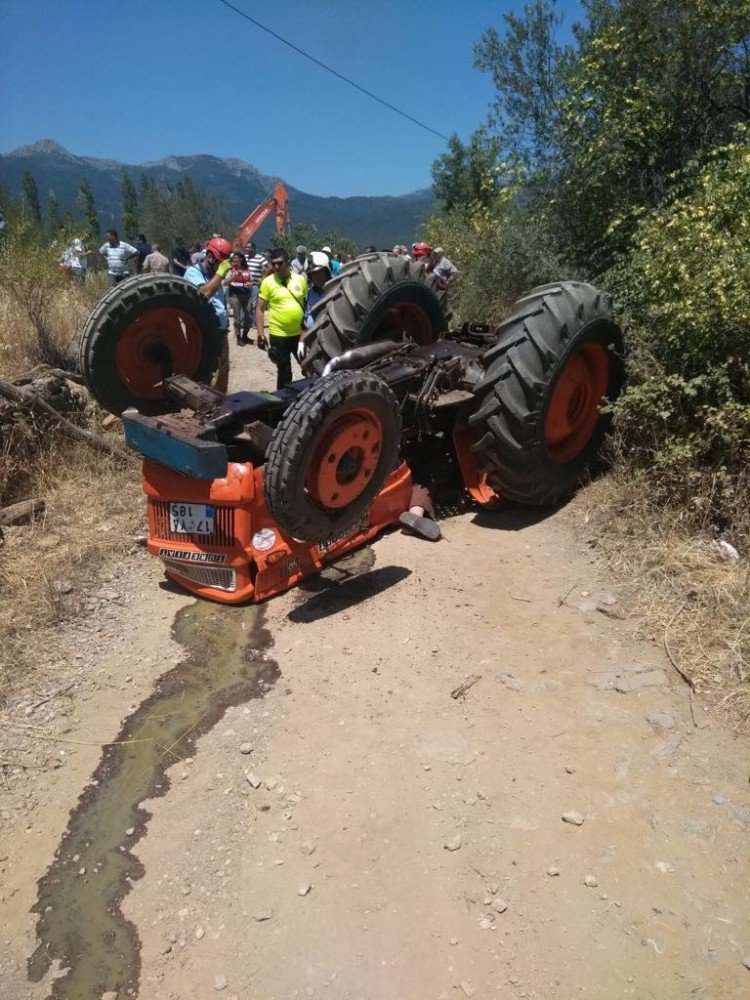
[{"x": 93, "y": 505}]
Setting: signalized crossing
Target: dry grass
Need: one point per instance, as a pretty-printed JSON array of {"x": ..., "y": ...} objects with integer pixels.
[
  {"x": 27, "y": 321},
  {"x": 690, "y": 598},
  {"x": 93, "y": 509},
  {"x": 93, "y": 504}
]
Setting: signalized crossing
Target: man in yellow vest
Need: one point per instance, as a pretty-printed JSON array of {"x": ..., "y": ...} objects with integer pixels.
[{"x": 281, "y": 300}]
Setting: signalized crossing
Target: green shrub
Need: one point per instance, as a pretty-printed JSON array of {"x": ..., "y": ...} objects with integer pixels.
[
  {"x": 685, "y": 418},
  {"x": 502, "y": 250}
]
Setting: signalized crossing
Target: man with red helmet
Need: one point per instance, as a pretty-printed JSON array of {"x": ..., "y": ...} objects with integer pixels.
[{"x": 208, "y": 274}]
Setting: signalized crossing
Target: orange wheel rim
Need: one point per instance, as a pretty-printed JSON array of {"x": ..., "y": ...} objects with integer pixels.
[
  {"x": 345, "y": 460},
  {"x": 410, "y": 320},
  {"x": 574, "y": 408},
  {"x": 160, "y": 342}
]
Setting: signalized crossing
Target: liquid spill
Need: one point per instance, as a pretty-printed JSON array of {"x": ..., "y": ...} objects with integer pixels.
[{"x": 80, "y": 924}]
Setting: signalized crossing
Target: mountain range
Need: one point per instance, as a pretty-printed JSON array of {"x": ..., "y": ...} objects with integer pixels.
[{"x": 383, "y": 221}]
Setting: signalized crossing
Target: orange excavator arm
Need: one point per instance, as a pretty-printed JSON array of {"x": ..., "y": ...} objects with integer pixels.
[{"x": 278, "y": 203}]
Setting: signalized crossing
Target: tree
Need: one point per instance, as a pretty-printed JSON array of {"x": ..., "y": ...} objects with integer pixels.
[
  {"x": 53, "y": 213},
  {"x": 467, "y": 174},
  {"x": 30, "y": 198},
  {"x": 307, "y": 234},
  {"x": 654, "y": 87},
  {"x": 129, "y": 205},
  {"x": 607, "y": 125},
  {"x": 184, "y": 212},
  {"x": 85, "y": 199},
  {"x": 526, "y": 65}
]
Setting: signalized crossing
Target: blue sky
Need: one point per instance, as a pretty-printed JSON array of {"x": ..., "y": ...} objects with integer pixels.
[{"x": 142, "y": 79}]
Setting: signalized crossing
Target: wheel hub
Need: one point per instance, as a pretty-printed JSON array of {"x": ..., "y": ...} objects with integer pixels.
[
  {"x": 345, "y": 460},
  {"x": 574, "y": 406},
  {"x": 410, "y": 321},
  {"x": 158, "y": 343}
]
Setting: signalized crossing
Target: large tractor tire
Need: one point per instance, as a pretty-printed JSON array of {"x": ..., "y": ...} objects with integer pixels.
[
  {"x": 538, "y": 421},
  {"x": 381, "y": 296},
  {"x": 331, "y": 454},
  {"x": 143, "y": 329}
]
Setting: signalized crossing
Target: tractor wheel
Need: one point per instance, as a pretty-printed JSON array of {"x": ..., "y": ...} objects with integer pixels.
[
  {"x": 145, "y": 328},
  {"x": 378, "y": 297},
  {"x": 537, "y": 417},
  {"x": 330, "y": 455}
]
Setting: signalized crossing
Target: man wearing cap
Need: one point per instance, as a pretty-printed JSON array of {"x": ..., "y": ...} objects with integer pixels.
[
  {"x": 444, "y": 270},
  {"x": 300, "y": 261},
  {"x": 282, "y": 300}
]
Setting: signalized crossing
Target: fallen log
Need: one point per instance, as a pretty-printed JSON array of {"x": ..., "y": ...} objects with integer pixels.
[
  {"x": 44, "y": 370},
  {"x": 19, "y": 513},
  {"x": 30, "y": 399}
]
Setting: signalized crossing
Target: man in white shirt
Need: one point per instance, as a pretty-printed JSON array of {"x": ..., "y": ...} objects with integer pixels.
[
  {"x": 299, "y": 263},
  {"x": 444, "y": 270},
  {"x": 117, "y": 254},
  {"x": 74, "y": 260}
]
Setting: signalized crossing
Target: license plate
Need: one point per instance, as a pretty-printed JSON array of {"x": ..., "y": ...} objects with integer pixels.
[{"x": 192, "y": 518}]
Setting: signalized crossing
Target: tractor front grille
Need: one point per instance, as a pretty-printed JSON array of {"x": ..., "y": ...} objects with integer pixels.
[
  {"x": 158, "y": 526},
  {"x": 204, "y": 576}
]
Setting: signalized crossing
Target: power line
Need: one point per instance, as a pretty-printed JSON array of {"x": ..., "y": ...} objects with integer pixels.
[{"x": 334, "y": 72}]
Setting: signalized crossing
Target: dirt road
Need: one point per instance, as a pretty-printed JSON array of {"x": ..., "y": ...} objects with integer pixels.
[{"x": 299, "y": 807}]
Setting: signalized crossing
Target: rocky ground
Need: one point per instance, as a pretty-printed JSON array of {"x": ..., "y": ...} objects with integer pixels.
[{"x": 568, "y": 824}]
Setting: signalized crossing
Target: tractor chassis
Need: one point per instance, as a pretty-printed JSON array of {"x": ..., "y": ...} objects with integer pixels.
[{"x": 205, "y": 458}]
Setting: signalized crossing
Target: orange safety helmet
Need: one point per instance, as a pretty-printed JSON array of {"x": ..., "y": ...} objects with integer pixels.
[
  {"x": 218, "y": 247},
  {"x": 421, "y": 250}
]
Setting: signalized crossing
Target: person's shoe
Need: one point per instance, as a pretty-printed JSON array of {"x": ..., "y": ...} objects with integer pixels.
[{"x": 423, "y": 527}]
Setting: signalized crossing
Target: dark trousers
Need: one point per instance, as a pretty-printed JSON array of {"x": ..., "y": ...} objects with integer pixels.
[
  {"x": 241, "y": 317},
  {"x": 281, "y": 350},
  {"x": 115, "y": 279}
]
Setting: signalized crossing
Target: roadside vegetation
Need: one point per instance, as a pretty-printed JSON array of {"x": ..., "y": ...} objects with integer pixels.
[
  {"x": 91, "y": 501},
  {"x": 622, "y": 158}
]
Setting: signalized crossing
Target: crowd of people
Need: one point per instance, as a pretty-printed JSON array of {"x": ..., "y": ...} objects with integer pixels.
[{"x": 268, "y": 291}]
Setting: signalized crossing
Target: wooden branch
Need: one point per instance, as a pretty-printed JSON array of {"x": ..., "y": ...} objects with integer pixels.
[
  {"x": 460, "y": 691},
  {"x": 27, "y": 397},
  {"x": 17, "y": 513},
  {"x": 686, "y": 677},
  {"x": 43, "y": 371}
]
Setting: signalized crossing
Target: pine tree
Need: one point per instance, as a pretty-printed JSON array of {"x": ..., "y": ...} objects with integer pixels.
[
  {"x": 129, "y": 207},
  {"x": 30, "y": 198},
  {"x": 85, "y": 199},
  {"x": 53, "y": 213}
]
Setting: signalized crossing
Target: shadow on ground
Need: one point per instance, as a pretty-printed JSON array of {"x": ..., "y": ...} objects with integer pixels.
[{"x": 341, "y": 596}]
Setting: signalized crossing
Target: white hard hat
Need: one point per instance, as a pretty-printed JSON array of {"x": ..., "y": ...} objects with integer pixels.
[
  {"x": 318, "y": 259},
  {"x": 325, "y": 249}
]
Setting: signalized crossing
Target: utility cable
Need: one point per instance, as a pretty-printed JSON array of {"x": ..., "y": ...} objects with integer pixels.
[{"x": 334, "y": 72}]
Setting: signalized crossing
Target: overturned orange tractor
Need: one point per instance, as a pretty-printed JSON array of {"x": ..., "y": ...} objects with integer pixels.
[{"x": 250, "y": 492}]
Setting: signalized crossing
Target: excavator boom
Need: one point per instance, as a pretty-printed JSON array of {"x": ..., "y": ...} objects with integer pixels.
[{"x": 278, "y": 203}]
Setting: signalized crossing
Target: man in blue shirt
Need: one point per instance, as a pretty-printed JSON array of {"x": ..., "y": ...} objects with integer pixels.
[
  {"x": 318, "y": 273},
  {"x": 207, "y": 275}
]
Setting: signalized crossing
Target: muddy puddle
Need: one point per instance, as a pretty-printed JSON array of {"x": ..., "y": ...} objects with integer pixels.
[{"x": 84, "y": 939}]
